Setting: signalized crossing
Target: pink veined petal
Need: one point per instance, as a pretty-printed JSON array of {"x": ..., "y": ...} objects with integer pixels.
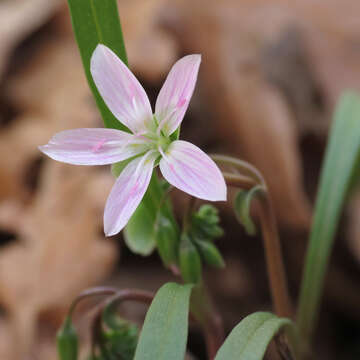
[
  {"x": 120, "y": 89},
  {"x": 93, "y": 146},
  {"x": 175, "y": 94},
  {"x": 189, "y": 169},
  {"x": 127, "y": 193}
]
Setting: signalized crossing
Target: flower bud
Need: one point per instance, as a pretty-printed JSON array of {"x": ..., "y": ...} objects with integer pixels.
[
  {"x": 67, "y": 341},
  {"x": 167, "y": 240},
  {"x": 190, "y": 261},
  {"x": 210, "y": 253}
]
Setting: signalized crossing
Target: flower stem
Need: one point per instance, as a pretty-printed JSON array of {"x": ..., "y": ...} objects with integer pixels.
[
  {"x": 274, "y": 259},
  {"x": 246, "y": 177},
  {"x": 205, "y": 313}
]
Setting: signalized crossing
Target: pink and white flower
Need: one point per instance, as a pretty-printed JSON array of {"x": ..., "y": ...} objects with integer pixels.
[{"x": 182, "y": 164}]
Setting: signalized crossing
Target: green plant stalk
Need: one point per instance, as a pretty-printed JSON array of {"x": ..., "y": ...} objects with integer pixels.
[
  {"x": 204, "y": 312},
  {"x": 340, "y": 163}
]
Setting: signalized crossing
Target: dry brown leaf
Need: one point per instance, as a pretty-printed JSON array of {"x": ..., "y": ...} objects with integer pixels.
[
  {"x": 60, "y": 249},
  {"x": 151, "y": 50},
  {"x": 251, "y": 114},
  {"x": 52, "y": 94},
  {"x": 18, "y": 18}
]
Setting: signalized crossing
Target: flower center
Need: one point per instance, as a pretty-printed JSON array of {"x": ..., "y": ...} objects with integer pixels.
[{"x": 163, "y": 142}]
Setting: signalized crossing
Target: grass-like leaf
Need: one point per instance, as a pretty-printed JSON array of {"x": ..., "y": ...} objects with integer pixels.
[
  {"x": 250, "y": 338},
  {"x": 94, "y": 22},
  {"x": 341, "y": 161},
  {"x": 164, "y": 334}
]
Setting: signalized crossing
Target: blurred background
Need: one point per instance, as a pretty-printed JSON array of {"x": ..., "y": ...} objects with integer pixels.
[{"x": 271, "y": 74}]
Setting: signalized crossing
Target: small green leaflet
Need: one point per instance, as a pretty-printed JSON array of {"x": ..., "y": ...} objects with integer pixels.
[
  {"x": 251, "y": 337},
  {"x": 242, "y": 206},
  {"x": 165, "y": 330}
]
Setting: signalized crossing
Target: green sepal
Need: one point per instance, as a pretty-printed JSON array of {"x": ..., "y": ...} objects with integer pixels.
[
  {"x": 118, "y": 167},
  {"x": 242, "y": 207},
  {"x": 167, "y": 240},
  {"x": 175, "y": 135},
  {"x": 210, "y": 253},
  {"x": 121, "y": 343},
  {"x": 141, "y": 231},
  {"x": 67, "y": 341},
  {"x": 189, "y": 260},
  {"x": 205, "y": 223},
  {"x": 119, "y": 337}
]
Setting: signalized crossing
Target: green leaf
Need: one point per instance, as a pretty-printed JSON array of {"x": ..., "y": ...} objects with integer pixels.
[
  {"x": 142, "y": 230},
  {"x": 242, "y": 206},
  {"x": 139, "y": 233},
  {"x": 340, "y": 164},
  {"x": 190, "y": 261},
  {"x": 251, "y": 337},
  {"x": 167, "y": 240},
  {"x": 205, "y": 223},
  {"x": 94, "y": 22},
  {"x": 67, "y": 341},
  {"x": 164, "y": 334},
  {"x": 210, "y": 253}
]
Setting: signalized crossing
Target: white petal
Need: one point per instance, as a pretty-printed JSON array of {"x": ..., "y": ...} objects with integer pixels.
[
  {"x": 175, "y": 95},
  {"x": 127, "y": 193},
  {"x": 189, "y": 169},
  {"x": 120, "y": 89},
  {"x": 93, "y": 146}
]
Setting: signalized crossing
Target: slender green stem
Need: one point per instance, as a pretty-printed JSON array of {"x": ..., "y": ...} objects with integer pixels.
[{"x": 205, "y": 313}]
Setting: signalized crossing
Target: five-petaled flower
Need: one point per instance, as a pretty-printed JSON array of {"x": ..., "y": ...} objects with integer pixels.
[{"x": 181, "y": 163}]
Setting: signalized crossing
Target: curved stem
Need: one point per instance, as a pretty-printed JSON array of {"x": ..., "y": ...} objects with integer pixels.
[
  {"x": 272, "y": 246},
  {"x": 97, "y": 291},
  {"x": 244, "y": 167},
  {"x": 240, "y": 181},
  {"x": 274, "y": 258},
  {"x": 137, "y": 295}
]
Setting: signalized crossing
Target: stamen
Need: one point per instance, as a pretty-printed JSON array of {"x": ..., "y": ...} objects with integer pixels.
[
  {"x": 142, "y": 161},
  {"x": 141, "y": 134},
  {"x": 162, "y": 153},
  {"x": 165, "y": 119},
  {"x": 181, "y": 103}
]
